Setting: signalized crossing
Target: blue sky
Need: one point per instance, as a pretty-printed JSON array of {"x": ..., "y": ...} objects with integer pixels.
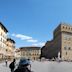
[{"x": 31, "y": 22}]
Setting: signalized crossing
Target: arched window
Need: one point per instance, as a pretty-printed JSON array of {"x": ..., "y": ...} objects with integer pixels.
[
  {"x": 63, "y": 26},
  {"x": 66, "y": 27},
  {"x": 69, "y": 48},
  {"x": 66, "y": 53}
]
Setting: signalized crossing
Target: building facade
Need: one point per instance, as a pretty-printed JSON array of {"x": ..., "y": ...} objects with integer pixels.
[
  {"x": 3, "y": 38},
  {"x": 32, "y": 53},
  {"x": 10, "y": 49},
  {"x": 7, "y": 45},
  {"x": 61, "y": 45},
  {"x": 17, "y": 53}
]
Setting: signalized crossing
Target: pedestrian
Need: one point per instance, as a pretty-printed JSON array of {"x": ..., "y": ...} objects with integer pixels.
[
  {"x": 6, "y": 62},
  {"x": 12, "y": 66},
  {"x": 23, "y": 66}
]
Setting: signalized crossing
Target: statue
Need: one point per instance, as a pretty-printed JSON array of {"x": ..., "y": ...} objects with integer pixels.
[{"x": 59, "y": 56}]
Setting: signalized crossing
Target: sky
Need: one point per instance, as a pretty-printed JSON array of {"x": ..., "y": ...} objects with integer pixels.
[{"x": 32, "y": 22}]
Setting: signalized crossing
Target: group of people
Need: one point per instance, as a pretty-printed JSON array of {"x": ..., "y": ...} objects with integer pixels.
[{"x": 23, "y": 66}]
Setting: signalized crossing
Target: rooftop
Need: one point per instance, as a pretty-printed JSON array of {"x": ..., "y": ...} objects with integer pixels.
[
  {"x": 3, "y": 27},
  {"x": 30, "y": 48},
  {"x": 9, "y": 39}
]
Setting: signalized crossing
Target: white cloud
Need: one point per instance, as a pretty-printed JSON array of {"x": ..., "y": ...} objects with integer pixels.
[
  {"x": 39, "y": 44},
  {"x": 32, "y": 40},
  {"x": 21, "y": 36},
  {"x": 28, "y": 39},
  {"x": 24, "y": 37}
]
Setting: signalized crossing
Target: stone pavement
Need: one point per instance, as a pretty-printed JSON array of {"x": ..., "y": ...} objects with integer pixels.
[
  {"x": 3, "y": 67},
  {"x": 45, "y": 66}
]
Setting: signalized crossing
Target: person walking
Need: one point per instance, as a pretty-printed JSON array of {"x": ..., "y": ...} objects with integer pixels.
[
  {"x": 12, "y": 65},
  {"x": 6, "y": 62}
]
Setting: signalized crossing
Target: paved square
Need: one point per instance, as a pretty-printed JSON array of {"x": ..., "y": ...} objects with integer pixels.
[{"x": 45, "y": 66}]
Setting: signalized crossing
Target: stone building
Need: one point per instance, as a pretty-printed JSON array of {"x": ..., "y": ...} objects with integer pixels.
[
  {"x": 32, "y": 53},
  {"x": 17, "y": 53},
  {"x": 7, "y": 45},
  {"x": 60, "y": 44},
  {"x": 10, "y": 49},
  {"x": 3, "y": 38}
]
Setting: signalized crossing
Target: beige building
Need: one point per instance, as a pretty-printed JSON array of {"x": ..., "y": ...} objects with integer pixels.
[
  {"x": 10, "y": 49},
  {"x": 7, "y": 45},
  {"x": 61, "y": 45},
  {"x": 3, "y": 38},
  {"x": 32, "y": 53},
  {"x": 17, "y": 53}
]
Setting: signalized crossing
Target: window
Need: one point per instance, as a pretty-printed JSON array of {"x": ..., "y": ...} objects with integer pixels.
[
  {"x": 1, "y": 39},
  {"x": 65, "y": 48},
  {"x": 63, "y": 26},
  {"x": 7, "y": 44},
  {"x": 66, "y": 53},
  {"x": 6, "y": 50},
  {"x": 69, "y": 48},
  {"x": 69, "y": 28},
  {"x": 66, "y": 27},
  {"x": 67, "y": 37}
]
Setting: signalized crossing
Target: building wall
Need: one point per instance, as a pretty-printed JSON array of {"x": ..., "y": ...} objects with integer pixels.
[
  {"x": 17, "y": 53},
  {"x": 48, "y": 49},
  {"x": 10, "y": 49},
  {"x": 31, "y": 53},
  {"x": 3, "y": 37},
  {"x": 6, "y": 47},
  {"x": 66, "y": 42},
  {"x": 62, "y": 42}
]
